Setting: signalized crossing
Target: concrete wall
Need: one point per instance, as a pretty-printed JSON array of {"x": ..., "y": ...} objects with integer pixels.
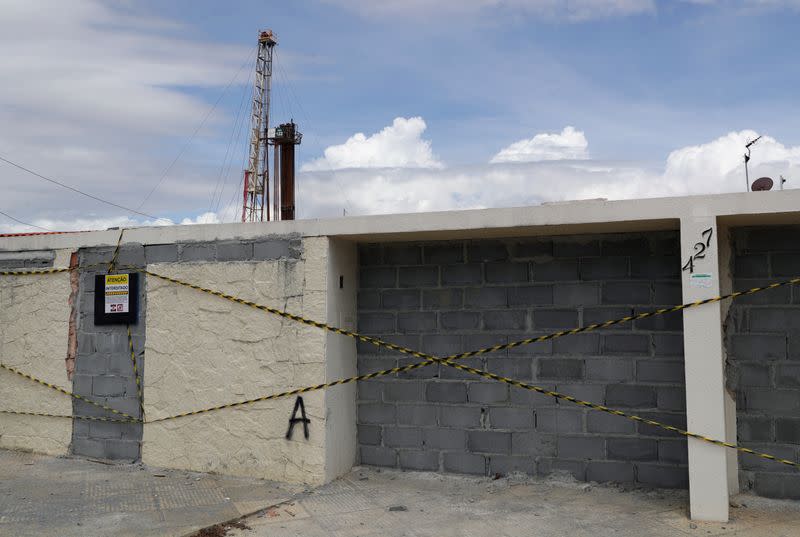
[
  {"x": 103, "y": 366},
  {"x": 200, "y": 350},
  {"x": 203, "y": 351},
  {"x": 342, "y": 283},
  {"x": 710, "y": 410},
  {"x": 34, "y": 323},
  {"x": 763, "y": 341},
  {"x": 450, "y": 297}
]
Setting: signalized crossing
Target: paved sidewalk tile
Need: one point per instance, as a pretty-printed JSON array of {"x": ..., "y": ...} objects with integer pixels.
[{"x": 64, "y": 497}]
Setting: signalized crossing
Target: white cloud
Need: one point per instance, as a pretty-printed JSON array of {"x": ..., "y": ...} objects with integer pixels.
[
  {"x": 399, "y": 190},
  {"x": 567, "y": 145},
  {"x": 725, "y": 155},
  {"x": 398, "y": 145},
  {"x": 713, "y": 167},
  {"x": 90, "y": 224},
  {"x": 573, "y": 10},
  {"x": 99, "y": 100}
]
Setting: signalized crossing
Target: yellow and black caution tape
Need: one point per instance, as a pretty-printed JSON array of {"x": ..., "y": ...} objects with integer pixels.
[
  {"x": 33, "y": 272},
  {"x": 602, "y": 408},
  {"x": 136, "y": 372},
  {"x": 495, "y": 348},
  {"x": 116, "y": 251},
  {"x": 492, "y": 376},
  {"x": 449, "y": 361},
  {"x": 44, "y": 272},
  {"x": 69, "y": 393},
  {"x": 45, "y": 415}
]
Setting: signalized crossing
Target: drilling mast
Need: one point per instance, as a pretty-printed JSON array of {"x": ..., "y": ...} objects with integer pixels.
[{"x": 256, "y": 176}]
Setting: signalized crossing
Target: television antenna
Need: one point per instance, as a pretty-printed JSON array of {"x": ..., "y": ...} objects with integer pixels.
[{"x": 746, "y": 160}]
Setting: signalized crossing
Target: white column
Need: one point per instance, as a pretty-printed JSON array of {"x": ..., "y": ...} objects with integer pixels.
[
  {"x": 341, "y": 449},
  {"x": 710, "y": 409}
]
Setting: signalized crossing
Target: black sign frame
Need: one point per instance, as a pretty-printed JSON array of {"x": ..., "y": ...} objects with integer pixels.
[{"x": 129, "y": 317}]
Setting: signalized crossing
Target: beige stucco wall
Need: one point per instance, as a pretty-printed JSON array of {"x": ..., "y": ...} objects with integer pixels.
[
  {"x": 203, "y": 351},
  {"x": 341, "y": 433},
  {"x": 34, "y": 326}
]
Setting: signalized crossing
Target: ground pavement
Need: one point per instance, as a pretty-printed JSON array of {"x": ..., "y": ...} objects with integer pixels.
[
  {"x": 63, "y": 497},
  {"x": 47, "y": 496},
  {"x": 390, "y": 503}
]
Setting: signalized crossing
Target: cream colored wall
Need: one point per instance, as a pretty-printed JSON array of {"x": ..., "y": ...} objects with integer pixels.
[
  {"x": 34, "y": 326},
  {"x": 341, "y": 445},
  {"x": 203, "y": 351}
]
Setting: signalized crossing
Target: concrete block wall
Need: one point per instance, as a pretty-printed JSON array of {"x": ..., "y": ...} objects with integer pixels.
[
  {"x": 103, "y": 365},
  {"x": 32, "y": 260},
  {"x": 763, "y": 362},
  {"x": 449, "y": 297},
  {"x": 203, "y": 351}
]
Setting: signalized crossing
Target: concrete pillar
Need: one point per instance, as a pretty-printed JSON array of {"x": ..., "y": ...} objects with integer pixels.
[
  {"x": 341, "y": 444},
  {"x": 710, "y": 409}
]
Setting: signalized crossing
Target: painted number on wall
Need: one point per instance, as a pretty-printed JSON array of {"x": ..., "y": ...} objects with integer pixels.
[{"x": 699, "y": 250}]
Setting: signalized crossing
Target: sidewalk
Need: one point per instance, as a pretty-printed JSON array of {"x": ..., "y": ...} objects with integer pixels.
[
  {"x": 52, "y": 497},
  {"x": 390, "y": 503},
  {"x": 47, "y": 496}
]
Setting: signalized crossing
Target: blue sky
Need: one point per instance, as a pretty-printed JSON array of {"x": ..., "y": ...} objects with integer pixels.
[
  {"x": 638, "y": 85},
  {"x": 637, "y": 79}
]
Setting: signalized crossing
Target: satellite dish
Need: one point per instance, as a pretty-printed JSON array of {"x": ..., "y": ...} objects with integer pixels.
[{"x": 762, "y": 184}]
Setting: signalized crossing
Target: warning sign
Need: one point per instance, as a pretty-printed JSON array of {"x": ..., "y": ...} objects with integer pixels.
[
  {"x": 117, "y": 293},
  {"x": 116, "y": 298}
]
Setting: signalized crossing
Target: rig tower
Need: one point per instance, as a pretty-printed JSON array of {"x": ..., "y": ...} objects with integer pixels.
[{"x": 256, "y": 176}]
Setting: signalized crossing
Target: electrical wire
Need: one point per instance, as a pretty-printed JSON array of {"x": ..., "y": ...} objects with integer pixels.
[
  {"x": 245, "y": 152},
  {"x": 81, "y": 192},
  {"x": 219, "y": 187},
  {"x": 231, "y": 203},
  {"x": 244, "y": 126},
  {"x": 233, "y": 141},
  {"x": 194, "y": 134},
  {"x": 17, "y": 220},
  {"x": 240, "y": 190},
  {"x": 281, "y": 97}
]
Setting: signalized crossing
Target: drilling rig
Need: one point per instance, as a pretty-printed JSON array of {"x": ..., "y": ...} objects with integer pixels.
[{"x": 284, "y": 138}]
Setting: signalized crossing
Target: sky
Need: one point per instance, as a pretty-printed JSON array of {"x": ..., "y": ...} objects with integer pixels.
[{"x": 404, "y": 105}]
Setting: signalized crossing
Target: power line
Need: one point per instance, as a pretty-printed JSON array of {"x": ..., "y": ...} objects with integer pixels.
[
  {"x": 81, "y": 192},
  {"x": 191, "y": 138},
  {"x": 240, "y": 190},
  {"x": 17, "y": 220},
  {"x": 238, "y": 142},
  {"x": 219, "y": 188}
]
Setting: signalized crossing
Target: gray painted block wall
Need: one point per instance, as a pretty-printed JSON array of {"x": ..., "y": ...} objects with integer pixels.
[
  {"x": 103, "y": 365},
  {"x": 27, "y": 260},
  {"x": 763, "y": 369},
  {"x": 450, "y": 297}
]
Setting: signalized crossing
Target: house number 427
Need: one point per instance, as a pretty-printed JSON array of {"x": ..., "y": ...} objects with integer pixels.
[{"x": 699, "y": 250}]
